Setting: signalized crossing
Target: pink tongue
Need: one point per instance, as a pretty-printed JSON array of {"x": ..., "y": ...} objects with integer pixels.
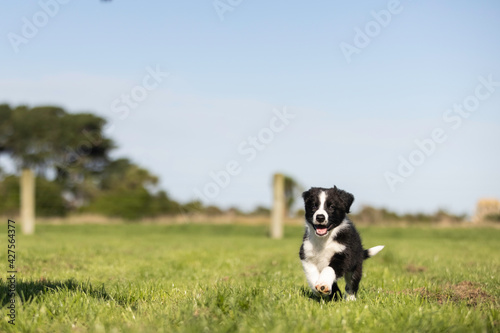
[{"x": 321, "y": 231}]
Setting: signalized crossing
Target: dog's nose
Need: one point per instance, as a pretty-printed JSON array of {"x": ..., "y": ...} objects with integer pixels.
[{"x": 320, "y": 218}]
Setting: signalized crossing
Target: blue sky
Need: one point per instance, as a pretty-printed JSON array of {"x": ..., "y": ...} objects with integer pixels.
[{"x": 353, "y": 120}]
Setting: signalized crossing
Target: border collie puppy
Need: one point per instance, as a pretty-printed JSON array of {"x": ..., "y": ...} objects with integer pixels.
[{"x": 331, "y": 248}]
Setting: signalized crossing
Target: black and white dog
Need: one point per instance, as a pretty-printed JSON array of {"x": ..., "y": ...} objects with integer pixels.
[{"x": 332, "y": 248}]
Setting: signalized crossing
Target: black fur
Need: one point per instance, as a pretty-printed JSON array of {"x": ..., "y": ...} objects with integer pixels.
[
  {"x": 302, "y": 255},
  {"x": 349, "y": 262}
]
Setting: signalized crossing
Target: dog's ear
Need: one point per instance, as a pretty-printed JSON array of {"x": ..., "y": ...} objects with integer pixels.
[
  {"x": 306, "y": 194},
  {"x": 346, "y": 198}
]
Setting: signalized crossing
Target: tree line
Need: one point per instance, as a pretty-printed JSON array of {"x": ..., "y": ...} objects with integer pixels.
[{"x": 70, "y": 156}]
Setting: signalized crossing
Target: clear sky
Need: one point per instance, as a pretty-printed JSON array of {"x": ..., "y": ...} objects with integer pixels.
[{"x": 396, "y": 102}]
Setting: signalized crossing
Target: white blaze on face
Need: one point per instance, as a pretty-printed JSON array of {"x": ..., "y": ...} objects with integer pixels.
[{"x": 321, "y": 209}]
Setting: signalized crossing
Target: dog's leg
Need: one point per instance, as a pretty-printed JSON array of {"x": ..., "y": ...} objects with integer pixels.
[
  {"x": 336, "y": 293},
  {"x": 349, "y": 294},
  {"x": 325, "y": 281},
  {"x": 352, "y": 283},
  {"x": 312, "y": 274}
]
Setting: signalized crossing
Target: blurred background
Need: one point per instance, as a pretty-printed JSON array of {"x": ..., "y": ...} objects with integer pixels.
[{"x": 162, "y": 110}]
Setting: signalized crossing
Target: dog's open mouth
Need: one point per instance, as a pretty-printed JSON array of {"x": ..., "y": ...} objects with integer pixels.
[{"x": 321, "y": 231}]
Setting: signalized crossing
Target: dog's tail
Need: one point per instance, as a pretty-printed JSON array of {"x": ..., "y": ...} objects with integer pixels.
[{"x": 373, "y": 251}]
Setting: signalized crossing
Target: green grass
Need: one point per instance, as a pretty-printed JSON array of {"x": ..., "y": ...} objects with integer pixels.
[{"x": 200, "y": 278}]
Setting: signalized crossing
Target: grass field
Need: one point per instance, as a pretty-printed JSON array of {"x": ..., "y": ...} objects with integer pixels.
[{"x": 201, "y": 278}]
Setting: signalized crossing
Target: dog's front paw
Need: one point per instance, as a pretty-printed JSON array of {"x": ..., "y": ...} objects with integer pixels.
[{"x": 323, "y": 289}]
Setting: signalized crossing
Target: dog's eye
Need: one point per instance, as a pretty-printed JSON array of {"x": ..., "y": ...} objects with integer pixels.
[{"x": 331, "y": 207}]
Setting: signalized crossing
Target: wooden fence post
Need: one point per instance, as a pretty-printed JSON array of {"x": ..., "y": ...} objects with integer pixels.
[
  {"x": 278, "y": 212},
  {"x": 27, "y": 188}
]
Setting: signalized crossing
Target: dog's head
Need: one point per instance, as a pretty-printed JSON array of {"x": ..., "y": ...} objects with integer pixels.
[{"x": 326, "y": 208}]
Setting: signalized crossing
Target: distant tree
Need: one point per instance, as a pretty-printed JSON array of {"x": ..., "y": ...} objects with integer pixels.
[
  {"x": 47, "y": 137},
  {"x": 192, "y": 207},
  {"x": 48, "y": 199},
  {"x": 300, "y": 213},
  {"x": 124, "y": 175},
  {"x": 84, "y": 157},
  {"x": 389, "y": 215},
  {"x": 369, "y": 215},
  {"x": 124, "y": 191},
  {"x": 235, "y": 211},
  {"x": 9, "y": 196},
  {"x": 492, "y": 218},
  {"x": 443, "y": 216},
  {"x": 213, "y": 211},
  {"x": 293, "y": 190},
  {"x": 41, "y": 138},
  {"x": 261, "y": 211},
  {"x": 418, "y": 218},
  {"x": 5, "y": 127},
  {"x": 372, "y": 215},
  {"x": 164, "y": 205}
]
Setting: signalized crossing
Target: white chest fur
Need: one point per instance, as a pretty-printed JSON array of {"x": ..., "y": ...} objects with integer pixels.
[{"x": 320, "y": 250}]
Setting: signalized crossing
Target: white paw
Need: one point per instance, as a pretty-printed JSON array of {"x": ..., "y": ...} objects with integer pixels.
[
  {"x": 350, "y": 297},
  {"x": 323, "y": 289},
  {"x": 325, "y": 281}
]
